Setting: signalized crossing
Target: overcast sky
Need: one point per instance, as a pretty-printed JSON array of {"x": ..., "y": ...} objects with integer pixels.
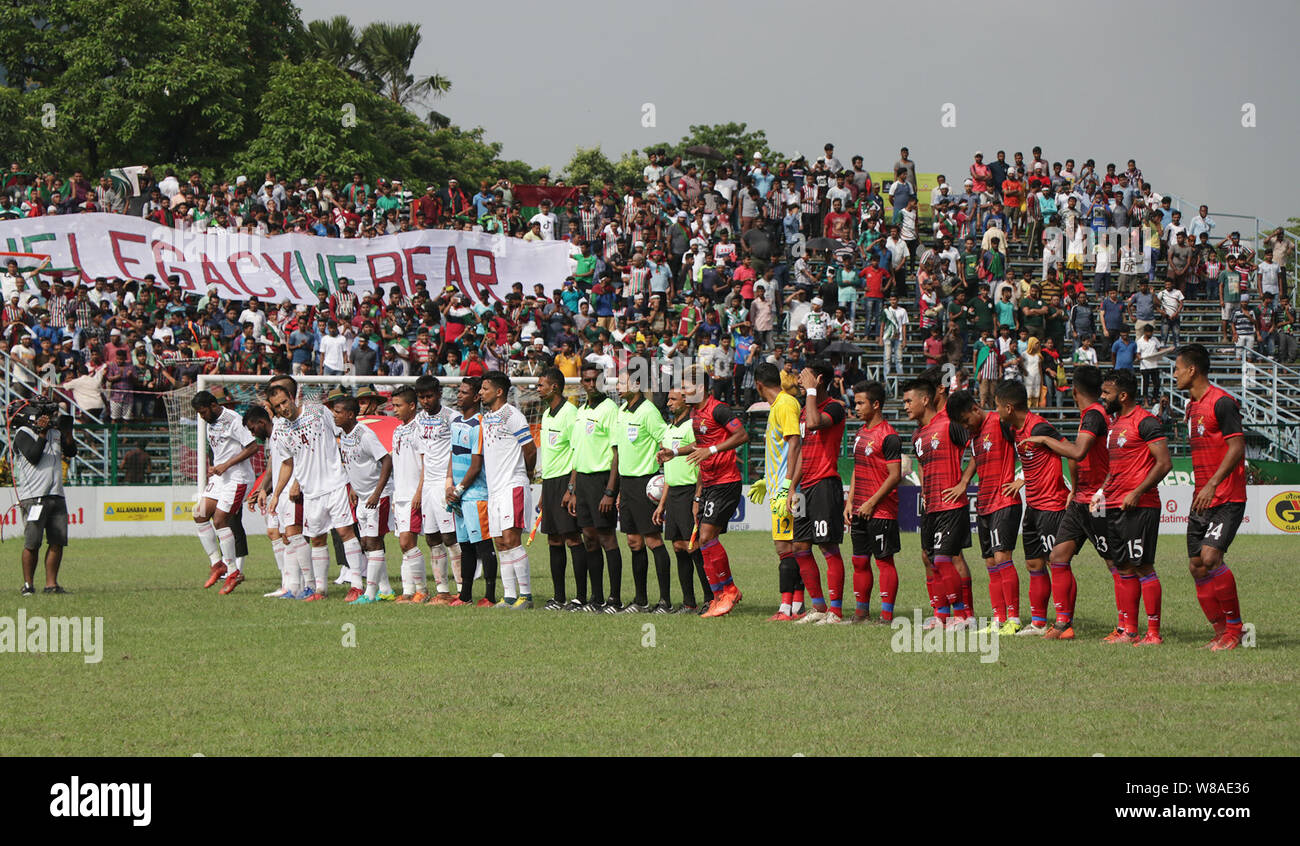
[{"x": 1160, "y": 82}]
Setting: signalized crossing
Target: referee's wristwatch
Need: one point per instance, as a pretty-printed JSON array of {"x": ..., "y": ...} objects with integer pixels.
[
  {"x": 699, "y": 499},
  {"x": 608, "y": 492},
  {"x": 571, "y": 489}
]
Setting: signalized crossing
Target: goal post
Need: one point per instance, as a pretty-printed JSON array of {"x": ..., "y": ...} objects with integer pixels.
[{"x": 187, "y": 432}]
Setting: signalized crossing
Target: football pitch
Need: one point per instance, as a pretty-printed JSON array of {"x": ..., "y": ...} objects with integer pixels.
[{"x": 185, "y": 671}]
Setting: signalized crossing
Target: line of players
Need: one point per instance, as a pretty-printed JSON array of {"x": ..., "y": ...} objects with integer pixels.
[
  {"x": 327, "y": 471},
  {"x": 597, "y": 457}
]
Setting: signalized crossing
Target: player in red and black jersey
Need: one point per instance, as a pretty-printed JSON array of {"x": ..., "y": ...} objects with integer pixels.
[
  {"x": 821, "y": 494},
  {"x": 945, "y": 525},
  {"x": 872, "y": 510},
  {"x": 1089, "y": 461},
  {"x": 1219, "y": 503},
  {"x": 997, "y": 504},
  {"x": 1139, "y": 459},
  {"x": 1046, "y": 497},
  {"x": 718, "y": 432}
]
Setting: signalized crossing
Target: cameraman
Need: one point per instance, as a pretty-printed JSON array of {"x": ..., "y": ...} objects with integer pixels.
[{"x": 39, "y": 449}]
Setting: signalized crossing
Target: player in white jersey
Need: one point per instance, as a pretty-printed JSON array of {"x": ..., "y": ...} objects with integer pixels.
[
  {"x": 433, "y": 426},
  {"x": 230, "y": 475},
  {"x": 509, "y": 456},
  {"x": 312, "y": 461},
  {"x": 262, "y": 426},
  {"x": 370, "y": 469},
  {"x": 408, "y": 494}
]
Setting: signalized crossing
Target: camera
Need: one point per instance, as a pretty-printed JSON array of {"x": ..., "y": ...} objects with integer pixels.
[{"x": 27, "y": 412}]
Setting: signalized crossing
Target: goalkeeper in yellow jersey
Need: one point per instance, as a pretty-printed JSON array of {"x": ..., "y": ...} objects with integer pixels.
[{"x": 781, "y": 458}]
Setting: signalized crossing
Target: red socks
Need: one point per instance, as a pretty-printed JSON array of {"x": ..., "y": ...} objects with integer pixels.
[
  {"x": 812, "y": 579},
  {"x": 967, "y": 596},
  {"x": 1209, "y": 599},
  {"x": 861, "y": 584},
  {"x": 995, "y": 593},
  {"x": 717, "y": 567},
  {"x": 1040, "y": 588},
  {"x": 1225, "y": 588},
  {"x": 835, "y": 582},
  {"x": 950, "y": 584},
  {"x": 1119, "y": 605},
  {"x": 1129, "y": 600},
  {"x": 888, "y": 587},
  {"x": 934, "y": 586},
  {"x": 1064, "y": 588},
  {"x": 1151, "y": 599}
]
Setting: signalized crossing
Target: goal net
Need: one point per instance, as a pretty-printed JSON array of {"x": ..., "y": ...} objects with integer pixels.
[{"x": 186, "y": 431}]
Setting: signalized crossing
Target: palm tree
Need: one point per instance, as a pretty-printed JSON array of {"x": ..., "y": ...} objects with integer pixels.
[
  {"x": 336, "y": 42},
  {"x": 386, "y": 52}
]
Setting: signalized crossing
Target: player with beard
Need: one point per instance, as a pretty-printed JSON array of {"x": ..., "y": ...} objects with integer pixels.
[{"x": 1139, "y": 459}]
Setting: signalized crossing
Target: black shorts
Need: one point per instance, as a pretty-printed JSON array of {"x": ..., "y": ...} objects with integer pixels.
[
  {"x": 821, "y": 520},
  {"x": 998, "y": 531},
  {"x": 636, "y": 511},
  {"x": 556, "y": 519},
  {"x": 1040, "y": 531},
  {"x": 1215, "y": 527},
  {"x": 51, "y": 525},
  {"x": 679, "y": 515},
  {"x": 945, "y": 532},
  {"x": 876, "y": 537},
  {"x": 589, "y": 488},
  {"x": 1132, "y": 535},
  {"x": 718, "y": 503},
  {"x": 1078, "y": 525}
]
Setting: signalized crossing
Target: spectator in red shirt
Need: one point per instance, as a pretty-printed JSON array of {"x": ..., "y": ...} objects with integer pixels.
[{"x": 836, "y": 222}]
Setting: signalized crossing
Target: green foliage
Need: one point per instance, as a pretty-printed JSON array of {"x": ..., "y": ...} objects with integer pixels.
[
  {"x": 724, "y": 137},
  {"x": 590, "y": 166}
]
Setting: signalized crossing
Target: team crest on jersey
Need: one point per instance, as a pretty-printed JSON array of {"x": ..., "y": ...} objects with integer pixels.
[
  {"x": 988, "y": 443},
  {"x": 934, "y": 441},
  {"x": 1200, "y": 427},
  {"x": 869, "y": 447},
  {"x": 1121, "y": 439}
]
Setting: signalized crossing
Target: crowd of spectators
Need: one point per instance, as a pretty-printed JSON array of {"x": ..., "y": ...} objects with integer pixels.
[{"x": 723, "y": 263}]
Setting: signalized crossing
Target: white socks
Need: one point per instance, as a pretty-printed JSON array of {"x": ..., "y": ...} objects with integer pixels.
[
  {"x": 356, "y": 562},
  {"x": 515, "y": 578},
  {"x": 226, "y": 542},
  {"x": 278, "y": 550},
  {"x": 523, "y": 575},
  {"x": 295, "y": 548},
  {"x": 414, "y": 579},
  {"x": 453, "y": 552},
  {"x": 438, "y": 560},
  {"x": 320, "y": 566},
  {"x": 208, "y": 537},
  {"x": 374, "y": 566}
]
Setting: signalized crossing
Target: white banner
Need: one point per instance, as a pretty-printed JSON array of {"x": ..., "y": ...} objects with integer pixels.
[
  {"x": 160, "y": 510},
  {"x": 288, "y": 267}
]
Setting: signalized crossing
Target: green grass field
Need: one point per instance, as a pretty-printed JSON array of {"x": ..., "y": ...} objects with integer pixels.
[{"x": 186, "y": 671}]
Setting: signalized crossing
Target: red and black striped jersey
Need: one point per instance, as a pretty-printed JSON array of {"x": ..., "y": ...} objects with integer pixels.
[
  {"x": 1045, "y": 488},
  {"x": 1211, "y": 421},
  {"x": 1130, "y": 457},
  {"x": 874, "y": 450},
  {"x": 994, "y": 449},
  {"x": 819, "y": 451},
  {"x": 939, "y": 446},
  {"x": 1090, "y": 471},
  {"x": 713, "y": 422}
]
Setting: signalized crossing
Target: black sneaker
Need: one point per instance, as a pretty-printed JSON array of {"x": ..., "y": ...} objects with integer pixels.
[
  {"x": 612, "y": 606},
  {"x": 705, "y": 606},
  {"x": 28, "y": 590},
  {"x": 55, "y": 589},
  {"x": 593, "y": 607},
  {"x": 663, "y": 606},
  {"x": 635, "y": 608},
  {"x": 687, "y": 609},
  {"x": 553, "y": 604},
  {"x": 575, "y": 605}
]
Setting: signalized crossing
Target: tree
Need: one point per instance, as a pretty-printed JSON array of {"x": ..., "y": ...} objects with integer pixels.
[
  {"x": 724, "y": 137},
  {"x": 386, "y": 52},
  {"x": 335, "y": 41},
  {"x": 590, "y": 166}
]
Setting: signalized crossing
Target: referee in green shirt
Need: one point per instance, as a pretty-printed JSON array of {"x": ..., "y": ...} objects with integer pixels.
[
  {"x": 637, "y": 437},
  {"x": 556, "y": 463},
  {"x": 676, "y": 510},
  {"x": 593, "y": 487}
]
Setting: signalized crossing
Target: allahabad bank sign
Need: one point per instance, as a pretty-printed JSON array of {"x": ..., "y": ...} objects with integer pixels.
[{"x": 134, "y": 512}]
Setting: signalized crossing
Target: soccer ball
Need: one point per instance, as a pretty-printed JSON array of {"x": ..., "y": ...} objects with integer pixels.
[{"x": 654, "y": 489}]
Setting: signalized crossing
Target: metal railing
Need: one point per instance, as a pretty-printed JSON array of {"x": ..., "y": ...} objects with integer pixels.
[{"x": 1254, "y": 232}]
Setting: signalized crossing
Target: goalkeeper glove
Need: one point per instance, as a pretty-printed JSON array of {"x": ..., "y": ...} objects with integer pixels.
[
  {"x": 758, "y": 491},
  {"x": 781, "y": 502}
]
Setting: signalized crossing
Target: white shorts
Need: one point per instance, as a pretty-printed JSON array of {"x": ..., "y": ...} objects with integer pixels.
[
  {"x": 509, "y": 508},
  {"x": 287, "y": 513},
  {"x": 434, "y": 514},
  {"x": 406, "y": 519},
  {"x": 374, "y": 522},
  {"x": 327, "y": 511},
  {"x": 228, "y": 494}
]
